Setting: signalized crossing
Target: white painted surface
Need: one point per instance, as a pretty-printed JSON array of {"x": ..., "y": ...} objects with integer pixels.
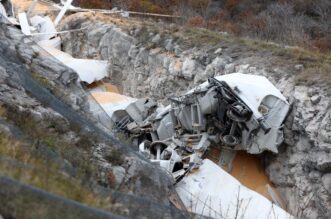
[
  {"x": 44, "y": 26},
  {"x": 3, "y": 10},
  {"x": 111, "y": 102},
  {"x": 87, "y": 69},
  {"x": 62, "y": 12},
  {"x": 110, "y": 108},
  {"x": 24, "y": 24},
  {"x": 252, "y": 89},
  {"x": 54, "y": 43},
  {"x": 212, "y": 192},
  {"x": 13, "y": 20}
]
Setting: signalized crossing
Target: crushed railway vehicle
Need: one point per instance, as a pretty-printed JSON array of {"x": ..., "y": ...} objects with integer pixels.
[{"x": 243, "y": 112}]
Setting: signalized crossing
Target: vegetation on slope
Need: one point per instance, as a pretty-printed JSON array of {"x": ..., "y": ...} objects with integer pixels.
[
  {"x": 316, "y": 64},
  {"x": 296, "y": 22},
  {"x": 46, "y": 172}
]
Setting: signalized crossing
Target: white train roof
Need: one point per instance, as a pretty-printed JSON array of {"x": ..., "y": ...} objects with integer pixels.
[{"x": 252, "y": 89}]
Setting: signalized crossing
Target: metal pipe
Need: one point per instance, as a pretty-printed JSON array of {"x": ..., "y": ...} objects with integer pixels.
[
  {"x": 158, "y": 152},
  {"x": 62, "y": 12},
  {"x": 233, "y": 128}
]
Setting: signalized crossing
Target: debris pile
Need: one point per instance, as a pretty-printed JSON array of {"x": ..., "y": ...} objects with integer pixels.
[{"x": 243, "y": 112}]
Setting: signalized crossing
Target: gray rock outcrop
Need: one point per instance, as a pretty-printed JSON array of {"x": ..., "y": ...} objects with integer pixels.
[{"x": 41, "y": 98}]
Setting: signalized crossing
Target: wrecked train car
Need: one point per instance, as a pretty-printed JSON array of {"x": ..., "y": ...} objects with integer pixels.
[
  {"x": 245, "y": 112},
  {"x": 239, "y": 111}
]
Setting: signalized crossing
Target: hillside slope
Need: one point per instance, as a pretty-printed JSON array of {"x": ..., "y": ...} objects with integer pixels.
[{"x": 48, "y": 140}]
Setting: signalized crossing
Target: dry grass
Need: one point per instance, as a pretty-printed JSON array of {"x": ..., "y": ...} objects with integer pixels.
[
  {"x": 38, "y": 158},
  {"x": 114, "y": 157},
  {"x": 316, "y": 76},
  {"x": 45, "y": 82},
  {"x": 50, "y": 135},
  {"x": 21, "y": 160},
  {"x": 317, "y": 64},
  {"x": 2, "y": 111},
  {"x": 41, "y": 173}
]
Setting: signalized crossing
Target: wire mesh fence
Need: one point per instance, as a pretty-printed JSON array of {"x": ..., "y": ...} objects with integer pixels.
[{"x": 58, "y": 101}]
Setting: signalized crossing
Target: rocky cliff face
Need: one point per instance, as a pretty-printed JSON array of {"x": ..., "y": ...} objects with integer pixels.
[
  {"x": 159, "y": 61},
  {"x": 48, "y": 138}
]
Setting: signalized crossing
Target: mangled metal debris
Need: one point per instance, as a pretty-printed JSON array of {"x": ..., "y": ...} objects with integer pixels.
[
  {"x": 110, "y": 102},
  {"x": 244, "y": 112}
]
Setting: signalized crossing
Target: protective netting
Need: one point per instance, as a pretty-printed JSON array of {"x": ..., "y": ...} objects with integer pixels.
[
  {"x": 48, "y": 205},
  {"x": 99, "y": 125}
]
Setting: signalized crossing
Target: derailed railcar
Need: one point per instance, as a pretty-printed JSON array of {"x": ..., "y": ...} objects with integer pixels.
[{"x": 244, "y": 112}]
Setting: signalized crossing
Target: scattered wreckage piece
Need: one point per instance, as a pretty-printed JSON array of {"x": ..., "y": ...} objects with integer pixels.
[
  {"x": 64, "y": 9},
  {"x": 88, "y": 70},
  {"x": 43, "y": 25},
  {"x": 132, "y": 116},
  {"x": 212, "y": 192},
  {"x": 111, "y": 103},
  {"x": 23, "y": 20},
  {"x": 44, "y": 32}
]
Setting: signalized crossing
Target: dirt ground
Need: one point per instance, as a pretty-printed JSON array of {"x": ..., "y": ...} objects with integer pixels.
[{"x": 248, "y": 170}]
